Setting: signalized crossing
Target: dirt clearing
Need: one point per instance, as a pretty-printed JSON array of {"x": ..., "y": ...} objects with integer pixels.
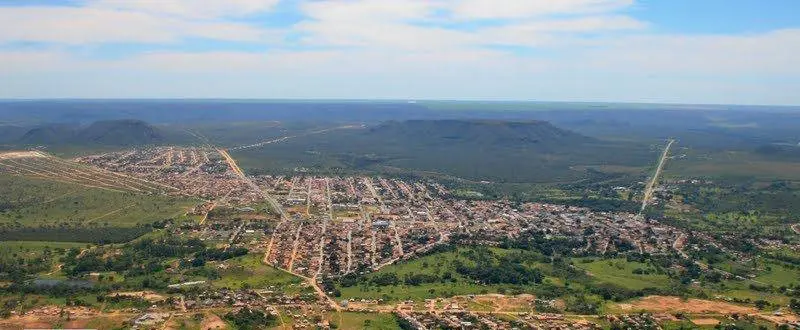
[{"x": 661, "y": 304}]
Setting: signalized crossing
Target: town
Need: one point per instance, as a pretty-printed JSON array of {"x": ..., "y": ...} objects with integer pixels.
[
  {"x": 333, "y": 226},
  {"x": 323, "y": 228}
]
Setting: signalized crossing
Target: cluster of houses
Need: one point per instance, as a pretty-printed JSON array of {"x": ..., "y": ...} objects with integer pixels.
[
  {"x": 197, "y": 172},
  {"x": 472, "y": 320},
  {"x": 341, "y": 225}
]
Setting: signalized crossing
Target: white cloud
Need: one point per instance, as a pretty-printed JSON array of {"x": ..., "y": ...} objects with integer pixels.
[
  {"x": 70, "y": 25},
  {"x": 423, "y": 25},
  {"x": 193, "y": 9},
  {"x": 574, "y": 49},
  {"x": 557, "y": 32},
  {"x": 771, "y": 53},
  {"x": 521, "y": 9}
]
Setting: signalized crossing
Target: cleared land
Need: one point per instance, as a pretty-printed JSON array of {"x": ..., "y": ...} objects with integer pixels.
[
  {"x": 661, "y": 304},
  {"x": 250, "y": 271},
  {"x": 29, "y": 202},
  {"x": 36, "y": 164},
  {"x": 621, "y": 272}
]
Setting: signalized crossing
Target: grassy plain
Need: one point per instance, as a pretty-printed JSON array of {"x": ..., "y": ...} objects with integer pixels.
[
  {"x": 621, "y": 272},
  {"x": 250, "y": 271},
  {"x": 34, "y": 246},
  {"x": 730, "y": 165},
  {"x": 366, "y": 321},
  {"x": 31, "y": 202}
]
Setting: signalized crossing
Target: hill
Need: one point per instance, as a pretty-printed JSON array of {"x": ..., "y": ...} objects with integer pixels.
[
  {"x": 120, "y": 132},
  {"x": 493, "y": 150},
  {"x": 49, "y": 134},
  {"x": 10, "y": 133},
  {"x": 108, "y": 133},
  {"x": 502, "y": 134}
]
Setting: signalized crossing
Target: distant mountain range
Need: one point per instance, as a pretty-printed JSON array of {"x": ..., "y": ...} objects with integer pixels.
[{"x": 126, "y": 132}]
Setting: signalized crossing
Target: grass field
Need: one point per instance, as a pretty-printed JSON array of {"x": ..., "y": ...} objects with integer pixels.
[
  {"x": 37, "y": 257},
  {"x": 778, "y": 275},
  {"x": 31, "y": 202},
  {"x": 366, "y": 321},
  {"x": 435, "y": 264},
  {"x": 620, "y": 272},
  {"x": 729, "y": 164},
  {"x": 33, "y": 246},
  {"x": 249, "y": 270}
]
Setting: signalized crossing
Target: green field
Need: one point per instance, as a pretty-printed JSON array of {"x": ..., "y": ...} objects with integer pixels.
[
  {"x": 29, "y": 202},
  {"x": 250, "y": 271},
  {"x": 778, "y": 275},
  {"x": 39, "y": 258},
  {"x": 366, "y": 321},
  {"x": 620, "y": 272},
  {"x": 437, "y": 264},
  {"x": 731, "y": 165},
  {"x": 33, "y": 246}
]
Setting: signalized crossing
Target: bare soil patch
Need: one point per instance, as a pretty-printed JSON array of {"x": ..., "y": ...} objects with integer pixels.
[
  {"x": 20, "y": 154},
  {"x": 661, "y": 304},
  {"x": 146, "y": 295},
  {"x": 212, "y": 321},
  {"x": 705, "y": 321}
]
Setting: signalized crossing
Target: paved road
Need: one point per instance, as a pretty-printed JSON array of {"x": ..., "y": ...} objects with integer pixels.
[
  {"x": 648, "y": 191},
  {"x": 281, "y": 139}
]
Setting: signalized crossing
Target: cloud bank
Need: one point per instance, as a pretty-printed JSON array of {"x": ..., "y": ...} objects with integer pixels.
[{"x": 574, "y": 50}]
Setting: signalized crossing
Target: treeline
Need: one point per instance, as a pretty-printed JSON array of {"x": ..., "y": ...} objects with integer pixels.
[
  {"x": 247, "y": 318},
  {"x": 16, "y": 267},
  {"x": 387, "y": 279},
  {"x": 97, "y": 235},
  {"x": 492, "y": 268},
  {"x": 542, "y": 243},
  {"x": 146, "y": 256}
]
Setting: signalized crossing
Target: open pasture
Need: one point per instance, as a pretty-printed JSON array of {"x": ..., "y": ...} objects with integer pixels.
[{"x": 35, "y": 164}]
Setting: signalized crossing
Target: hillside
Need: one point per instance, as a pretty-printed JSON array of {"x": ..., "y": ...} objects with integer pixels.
[
  {"x": 120, "y": 132},
  {"x": 503, "y": 151},
  {"x": 107, "y": 133},
  {"x": 11, "y": 133},
  {"x": 49, "y": 134},
  {"x": 511, "y": 134}
]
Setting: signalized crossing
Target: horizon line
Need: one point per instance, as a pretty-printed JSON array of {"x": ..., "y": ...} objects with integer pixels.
[{"x": 407, "y": 100}]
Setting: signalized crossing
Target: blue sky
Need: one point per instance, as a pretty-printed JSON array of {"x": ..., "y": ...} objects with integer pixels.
[{"x": 674, "y": 51}]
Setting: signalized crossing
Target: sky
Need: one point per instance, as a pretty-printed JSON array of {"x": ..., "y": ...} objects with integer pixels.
[{"x": 654, "y": 51}]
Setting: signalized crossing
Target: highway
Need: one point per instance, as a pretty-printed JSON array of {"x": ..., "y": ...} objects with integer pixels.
[
  {"x": 281, "y": 139},
  {"x": 648, "y": 191}
]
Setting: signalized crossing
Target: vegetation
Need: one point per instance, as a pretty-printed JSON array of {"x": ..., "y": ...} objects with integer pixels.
[
  {"x": 368, "y": 321},
  {"x": 632, "y": 275},
  {"x": 123, "y": 132},
  {"x": 249, "y": 271},
  {"x": 450, "y": 271},
  {"x": 247, "y": 318},
  {"x": 474, "y": 150},
  {"x": 29, "y": 202}
]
